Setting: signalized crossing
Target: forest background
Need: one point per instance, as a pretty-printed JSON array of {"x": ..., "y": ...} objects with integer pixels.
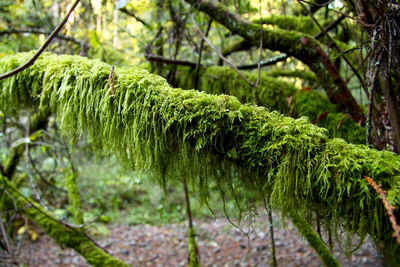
[{"x": 335, "y": 62}]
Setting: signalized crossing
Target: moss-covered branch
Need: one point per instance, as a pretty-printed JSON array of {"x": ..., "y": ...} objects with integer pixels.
[
  {"x": 296, "y": 44},
  {"x": 277, "y": 94},
  {"x": 64, "y": 235},
  {"x": 151, "y": 126},
  {"x": 74, "y": 198},
  {"x": 314, "y": 240},
  {"x": 291, "y": 23}
]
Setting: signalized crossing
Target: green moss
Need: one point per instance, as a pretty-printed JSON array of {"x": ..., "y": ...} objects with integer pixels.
[
  {"x": 162, "y": 130},
  {"x": 320, "y": 110},
  {"x": 74, "y": 198},
  {"x": 64, "y": 235},
  {"x": 314, "y": 240},
  {"x": 273, "y": 93},
  {"x": 291, "y": 23},
  {"x": 108, "y": 55},
  {"x": 304, "y": 75},
  {"x": 193, "y": 250}
]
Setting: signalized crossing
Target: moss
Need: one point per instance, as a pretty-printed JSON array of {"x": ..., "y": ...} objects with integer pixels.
[
  {"x": 304, "y": 75},
  {"x": 108, "y": 55},
  {"x": 291, "y": 23},
  {"x": 193, "y": 250},
  {"x": 273, "y": 93},
  {"x": 162, "y": 130},
  {"x": 64, "y": 235},
  {"x": 314, "y": 240},
  {"x": 74, "y": 198},
  {"x": 320, "y": 110}
]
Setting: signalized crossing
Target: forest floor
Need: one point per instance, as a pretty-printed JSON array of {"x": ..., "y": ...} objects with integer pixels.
[{"x": 219, "y": 242}]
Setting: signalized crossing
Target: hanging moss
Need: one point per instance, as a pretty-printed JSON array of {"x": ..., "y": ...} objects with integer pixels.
[
  {"x": 74, "y": 198},
  {"x": 69, "y": 237},
  {"x": 163, "y": 130}
]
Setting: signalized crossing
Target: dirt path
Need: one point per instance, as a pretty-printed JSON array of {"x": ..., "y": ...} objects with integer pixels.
[{"x": 220, "y": 245}]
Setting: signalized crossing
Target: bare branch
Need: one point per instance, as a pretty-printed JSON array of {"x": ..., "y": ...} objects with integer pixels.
[
  {"x": 130, "y": 13},
  {"x": 268, "y": 62},
  {"x": 35, "y": 31},
  {"x": 233, "y": 66},
  {"x": 43, "y": 47},
  {"x": 157, "y": 58}
]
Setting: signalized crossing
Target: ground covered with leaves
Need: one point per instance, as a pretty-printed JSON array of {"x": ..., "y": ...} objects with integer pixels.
[{"x": 220, "y": 244}]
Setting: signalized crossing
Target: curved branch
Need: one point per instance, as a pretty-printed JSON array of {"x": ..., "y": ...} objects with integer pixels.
[
  {"x": 34, "y": 31},
  {"x": 157, "y": 58},
  {"x": 268, "y": 62},
  {"x": 43, "y": 47},
  {"x": 130, "y": 13},
  {"x": 301, "y": 46}
]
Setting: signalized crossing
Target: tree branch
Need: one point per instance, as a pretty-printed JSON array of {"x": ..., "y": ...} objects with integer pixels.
[
  {"x": 157, "y": 58},
  {"x": 43, "y": 47},
  {"x": 130, "y": 13},
  {"x": 233, "y": 66},
  {"x": 35, "y": 31},
  {"x": 301, "y": 46},
  {"x": 268, "y": 62}
]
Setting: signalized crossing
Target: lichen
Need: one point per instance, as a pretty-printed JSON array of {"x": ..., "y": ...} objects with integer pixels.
[{"x": 162, "y": 130}]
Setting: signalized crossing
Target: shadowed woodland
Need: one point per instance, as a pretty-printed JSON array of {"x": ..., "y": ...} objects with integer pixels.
[{"x": 156, "y": 112}]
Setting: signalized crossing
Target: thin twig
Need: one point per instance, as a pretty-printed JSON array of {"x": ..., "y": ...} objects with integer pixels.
[
  {"x": 334, "y": 44},
  {"x": 330, "y": 27},
  {"x": 35, "y": 31},
  {"x": 389, "y": 208},
  {"x": 43, "y": 47},
  {"x": 271, "y": 232},
  {"x": 157, "y": 58},
  {"x": 371, "y": 99},
  {"x": 196, "y": 77},
  {"x": 268, "y": 62},
  {"x": 6, "y": 240},
  {"x": 259, "y": 52},
  {"x": 336, "y": 11},
  {"x": 233, "y": 66},
  {"x": 132, "y": 14},
  {"x": 111, "y": 80},
  {"x": 27, "y": 165},
  {"x": 187, "y": 200}
]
